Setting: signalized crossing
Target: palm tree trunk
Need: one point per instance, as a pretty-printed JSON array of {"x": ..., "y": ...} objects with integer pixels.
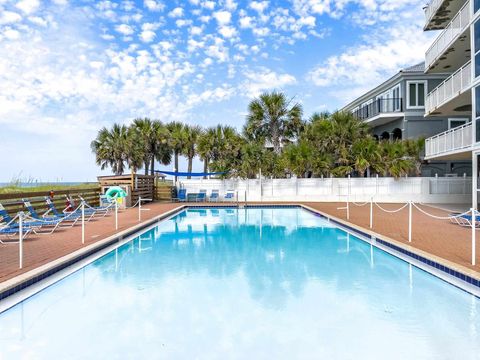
[
  {"x": 146, "y": 167},
  {"x": 205, "y": 167},
  {"x": 190, "y": 160},
  {"x": 176, "y": 165},
  {"x": 152, "y": 166}
]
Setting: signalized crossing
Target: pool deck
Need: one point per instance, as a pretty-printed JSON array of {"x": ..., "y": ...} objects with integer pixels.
[{"x": 439, "y": 240}]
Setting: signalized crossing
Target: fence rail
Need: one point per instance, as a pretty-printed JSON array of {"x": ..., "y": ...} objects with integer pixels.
[
  {"x": 449, "y": 141},
  {"x": 459, "y": 82},
  {"x": 13, "y": 201},
  {"x": 434, "y": 189},
  {"x": 456, "y": 27}
]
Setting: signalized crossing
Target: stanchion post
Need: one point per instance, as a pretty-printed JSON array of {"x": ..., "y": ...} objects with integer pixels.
[
  {"x": 20, "y": 240},
  {"x": 83, "y": 222},
  {"x": 410, "y": 221},
  {"x": 371, "y": 213},
  {"x": 348, "y": 208},
  {"x": 473, "y": 237},
  {"x": 116, "y": 214},
  {"x": 139, "y": 208}
]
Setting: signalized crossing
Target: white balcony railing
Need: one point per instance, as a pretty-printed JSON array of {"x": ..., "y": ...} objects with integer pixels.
[
  {"x": 456, "y": 27},
  {"x": 431, "y": 9},
  {"x": 457, "y": 83},
  {"x": 449, "y": 141}
]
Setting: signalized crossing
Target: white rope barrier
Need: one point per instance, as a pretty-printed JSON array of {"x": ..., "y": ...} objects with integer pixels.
[
  {"x": 360, "y": 204},
  {"x": 391, "y": 211},
  {"x": 440, "y": 217}
]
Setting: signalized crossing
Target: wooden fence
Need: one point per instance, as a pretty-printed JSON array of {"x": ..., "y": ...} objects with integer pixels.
[{"x": 13, "y": 202}]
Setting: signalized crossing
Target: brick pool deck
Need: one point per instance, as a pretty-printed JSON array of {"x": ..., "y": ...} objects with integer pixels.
[{"x": 437, "y": 237}]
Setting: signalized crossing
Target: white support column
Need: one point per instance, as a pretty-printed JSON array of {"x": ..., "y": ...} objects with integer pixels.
[{"x": 139, "y": 208}]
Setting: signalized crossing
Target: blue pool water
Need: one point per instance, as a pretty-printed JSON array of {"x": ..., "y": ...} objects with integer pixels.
[{"x": 245, "y": 284}]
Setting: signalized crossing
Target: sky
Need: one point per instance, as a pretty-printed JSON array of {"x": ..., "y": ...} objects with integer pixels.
[{"x": 69, "y": 68}]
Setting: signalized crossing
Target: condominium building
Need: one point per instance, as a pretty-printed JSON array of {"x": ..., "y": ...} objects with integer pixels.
[
  {"x": 455, "y": 50},
  {"x": 395, "y": 109}
]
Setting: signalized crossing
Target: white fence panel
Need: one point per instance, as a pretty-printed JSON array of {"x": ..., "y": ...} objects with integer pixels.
[{"x": 429, "y": 190}]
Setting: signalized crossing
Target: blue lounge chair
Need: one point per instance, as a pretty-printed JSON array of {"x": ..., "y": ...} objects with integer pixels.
[
  {"x": 11, "y": 231},
  {"x": 100, "y": 210},
  {"x": 50, "y": 221},
  {"x": 214, "y": 196},
  {"x": 202, "y": 196},
  {"x": 181, "y": 195},
  {"x": 10, "y": 223},
  {"x": 68, "y": 216},
  {"x": 229, "y": 196}
]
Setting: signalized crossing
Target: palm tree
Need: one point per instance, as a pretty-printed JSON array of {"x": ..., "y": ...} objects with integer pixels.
[
  {"x": 273, "y": 117},
  {"x": 366, "y": 154},
  {"x": 299, "y": 158},
  {"x": 226, "y": 149},
  {"x": 111, "y": 148},
  {"x": 395, "y": 159},
  {"x": 177, "y": 138},
  {"x": 414, "y": 149},
  {"x": 191, "y": 135},
  {"x": 205, "y": 148}
]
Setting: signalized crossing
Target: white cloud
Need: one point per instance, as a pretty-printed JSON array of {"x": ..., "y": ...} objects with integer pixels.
[
  {"x": 154, "y": 5},
  {"x": 266, "y": 80},
  {"x": 230, "y": 5},
  {"x": 148, "y": 32},
  {"x": 177, "y": 12},
  {"x": 28, "y": 6},
  {"x": 210, "y": 5},
  {"x": 124, "y": 29},
  {"x": 9, "y": 17},
  {"x": 227, "y": 31},
  {"x": 259, "y": 6},
  {"x": 10, "y": 34},
  {"x": 196, "y": 30},
  {"x": 222, "y": 17},
  {"x": 383, "y": 53}
]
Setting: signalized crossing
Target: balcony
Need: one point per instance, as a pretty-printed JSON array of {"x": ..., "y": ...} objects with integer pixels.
[
  {"x": 453, "y": 144},
  {"x": 438, "y": 13},
  {"x": 448, "y": 91},
  {"x": 450, "y": 39},
  {"x": 381, "y": 111}
]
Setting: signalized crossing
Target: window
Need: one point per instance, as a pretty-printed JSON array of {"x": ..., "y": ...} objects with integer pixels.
[
  {"x": 476, "y": 34},
  {"x": 453, "y": 123},
  {"x": 476, "y": 6},
  {"x": 396, "y": 99},
  {"x": 416, "y": 94},
  {"x": 477, "y": 113}
]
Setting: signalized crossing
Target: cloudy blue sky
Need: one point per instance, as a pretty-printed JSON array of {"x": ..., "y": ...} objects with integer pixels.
[{"x": 67, "y": 67}]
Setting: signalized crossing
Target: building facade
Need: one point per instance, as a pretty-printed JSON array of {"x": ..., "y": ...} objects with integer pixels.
[
  {"x": 455, "y": 50},
  {"x": 396, "y": 110}
]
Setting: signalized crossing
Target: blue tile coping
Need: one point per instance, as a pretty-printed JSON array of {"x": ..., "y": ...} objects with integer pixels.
[{"x": 463, "y": 277}]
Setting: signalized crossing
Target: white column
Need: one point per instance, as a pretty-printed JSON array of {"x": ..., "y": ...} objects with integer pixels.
[
  {"x": 83, "y": 222},
  {"x": 410, "y": 221},
  {"x": 20, "y": 240}
]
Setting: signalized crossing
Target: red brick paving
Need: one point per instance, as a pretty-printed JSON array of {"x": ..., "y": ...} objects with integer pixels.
[{"x": 438, "y": 237}]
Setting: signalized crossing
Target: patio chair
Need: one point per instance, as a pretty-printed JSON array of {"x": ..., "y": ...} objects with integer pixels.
[
  {"x": 214, "y": 196},
  {"x": 202, "y": 196},
  {"x": 69, "y": 216},
  {"x": 11, "y": 231},
  {"x": 181, "y": 195},
  {"x": 466, "y": 220},
  {"x": 229, "y": 196},
  {"x": 47, "y": 221},
  {"x": 35, "y": 225},
  {"x": 101, "y": 210}
]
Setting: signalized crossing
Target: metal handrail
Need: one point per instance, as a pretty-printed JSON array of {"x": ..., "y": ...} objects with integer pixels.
[
  {"x": 453, "y": 139},
  {"x": 451, "y": 87},
  {"x": 379, "y": 106},
  {"x": 454, "y": 28}
]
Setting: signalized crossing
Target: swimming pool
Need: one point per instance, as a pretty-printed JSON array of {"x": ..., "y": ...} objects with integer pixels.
[{"x": 245, "y": 283}]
